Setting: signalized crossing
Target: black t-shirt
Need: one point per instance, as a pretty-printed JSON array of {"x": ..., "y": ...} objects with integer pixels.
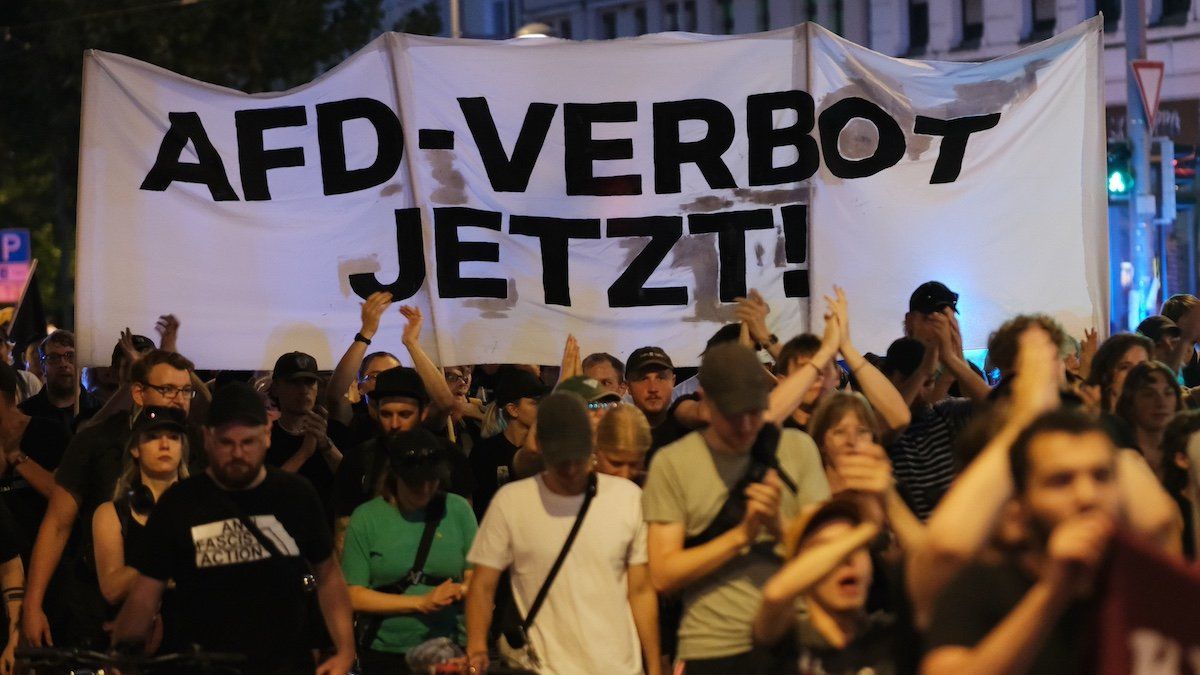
[
  {"x": 232, "y": 594},
  {"x": 983, "y": 595},
  {"x": 39, "y": 405},
  {"x": 315, "y": 468},
  {"x": 492, "y": 466},
  {"x": 45, "y": 441},
  {"x": 670, "y": 430}
]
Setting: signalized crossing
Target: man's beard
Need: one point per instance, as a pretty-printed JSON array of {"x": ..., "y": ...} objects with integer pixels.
[{"x": 241, "y": 475}]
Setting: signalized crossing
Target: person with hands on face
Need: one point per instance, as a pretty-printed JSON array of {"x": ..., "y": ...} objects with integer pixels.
[
  {"x": 847, "y": 432},
  {"x": 830, "y": 567},
  {"x": 1064, "y": 469},
  {"x": 932, "y": 318},
  {"x": 715, "y": 507},
  {"x": 299, "y": 438},
  {"x": 381, "y": 544}
]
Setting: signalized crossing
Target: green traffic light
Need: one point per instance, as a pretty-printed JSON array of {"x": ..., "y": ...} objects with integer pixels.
[{"x": 1118, "y": 182}]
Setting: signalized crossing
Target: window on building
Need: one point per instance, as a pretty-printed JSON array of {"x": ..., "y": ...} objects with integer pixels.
[
  {"x": 1174, "y": 12},
  {"x": 564, "y": 29},
  {"x": 918, "y": 26},
  {"x": 1112, "y": 14},
  {"x": 764, "y": 14},
  {"x": 608, "y": 25},
  {"x": 1043, "y": 19},
  {"x": 639, "y": 20},
  {"x": 689, "y": 16},
  {"x": 671, "y": 16},
  {"x": 726, "y": 16},
  {"x": 972, "y": 23}
]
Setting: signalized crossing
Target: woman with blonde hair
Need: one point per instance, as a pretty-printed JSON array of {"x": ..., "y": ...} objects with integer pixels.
[{"x": 622, "y": 441}]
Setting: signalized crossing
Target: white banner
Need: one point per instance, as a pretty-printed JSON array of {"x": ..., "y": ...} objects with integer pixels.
[{"x": 624, "y": 191}]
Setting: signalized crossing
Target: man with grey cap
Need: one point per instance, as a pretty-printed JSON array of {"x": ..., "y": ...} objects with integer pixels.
[
  {"x": 600, "y": 605},
  {"x": 716, "y": 501}
]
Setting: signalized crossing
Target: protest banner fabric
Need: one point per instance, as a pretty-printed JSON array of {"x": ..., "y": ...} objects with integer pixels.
[{"x": 624, "y": 191}]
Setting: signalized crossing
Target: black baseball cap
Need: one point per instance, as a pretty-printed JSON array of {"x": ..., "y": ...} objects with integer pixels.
[
  {"x": 399, "y": 382},
  {"x": 516, "y": 384},
  {"x": 1157, "y": 327},
  {"x": 295, "y": 366},
  {"x": 931, "y": 297},
  {"x": 644, "y": 358},
  {"x": 153, "y": 418},
  {"x": 237, "y": 403},
  {"x": 417, "y": 456}
]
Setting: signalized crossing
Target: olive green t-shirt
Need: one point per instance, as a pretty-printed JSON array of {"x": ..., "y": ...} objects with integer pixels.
[{"x": 688, "y": 483}]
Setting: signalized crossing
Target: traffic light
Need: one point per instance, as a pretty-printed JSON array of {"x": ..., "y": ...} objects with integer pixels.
[{"x": 1120, "y": 175}]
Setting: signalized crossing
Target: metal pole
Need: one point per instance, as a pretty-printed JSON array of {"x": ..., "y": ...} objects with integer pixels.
[
  {"x": 1141, "y": 227},
  {"x": 455, "y": 19}
]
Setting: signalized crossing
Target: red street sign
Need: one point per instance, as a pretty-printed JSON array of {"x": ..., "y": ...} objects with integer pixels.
[{"x": 1149, "y": 75}]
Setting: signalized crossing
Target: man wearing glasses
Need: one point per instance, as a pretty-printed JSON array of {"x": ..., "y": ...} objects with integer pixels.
[
  {"x": 57, "y": 399},
  {"x": 85, "y": 478}
]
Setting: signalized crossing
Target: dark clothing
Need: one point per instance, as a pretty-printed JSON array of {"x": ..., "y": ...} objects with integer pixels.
[
  {"x": 382, "y": 663},
  {"x": 315, "y": 468},
  {"x": 44, "y": 441},
  {"x": 39, "y": 405},
  {"x": 754, "y": 662},
  {"x": 1191, "y": 370},
  {"x": 492, "y": 466},
  {"x": 923, "y": 455},
  {"x": 876, "y": 649},
  {"x": 983, "y": 595},
  {"x": 11, "y": 543},
  {"x": 670, "y": 430},
  {"x": 233, "y": 594},
  {"x": 360, "y": 429},
  {"x": 358, "y": 476}
]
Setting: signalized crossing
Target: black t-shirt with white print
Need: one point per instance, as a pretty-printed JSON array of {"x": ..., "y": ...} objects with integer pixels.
[{"x": 233, "y": 595}]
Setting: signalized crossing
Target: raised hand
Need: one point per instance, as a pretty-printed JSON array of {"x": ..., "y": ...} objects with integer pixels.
[
  {"x": 1035, "y": 389},
  {"x": 168, "y": 332},
  {"x": 1087, "y": 352},
  {"x": 752, "y": 311},
  {"x": 372, "y": 312},
  {"x": 762, "y": 505},
  {"x": 412, "y": 330},
  {"x": 571, "y": 364}
]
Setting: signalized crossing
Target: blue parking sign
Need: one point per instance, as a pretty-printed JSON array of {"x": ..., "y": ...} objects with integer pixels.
[{"x": 14, "y": 246}]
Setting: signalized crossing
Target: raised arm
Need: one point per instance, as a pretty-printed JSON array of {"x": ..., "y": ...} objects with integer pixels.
[
  {"x": 945, "y": 326},
  {"x": 440, "y": 397},
  {"x": 789, "y": 392},
  {"x": 346, "y": 372},
  {"x": 752, "y": 311},
  {"x": 777, "y": 613},
  {"x": 879, "y": 390},
  {"x": 965, "y": 518}
]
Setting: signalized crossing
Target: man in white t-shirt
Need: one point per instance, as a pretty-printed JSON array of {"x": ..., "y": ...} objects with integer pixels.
[{"x": 601, "y": 605}]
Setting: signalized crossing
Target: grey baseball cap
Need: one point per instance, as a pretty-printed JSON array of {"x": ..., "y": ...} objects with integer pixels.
[
  {"x": 733, "y": 379},
  {"x": 564, "y": 431}
]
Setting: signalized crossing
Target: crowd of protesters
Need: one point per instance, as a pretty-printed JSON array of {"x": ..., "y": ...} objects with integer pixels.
[{"x": 794, "y": 506}]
